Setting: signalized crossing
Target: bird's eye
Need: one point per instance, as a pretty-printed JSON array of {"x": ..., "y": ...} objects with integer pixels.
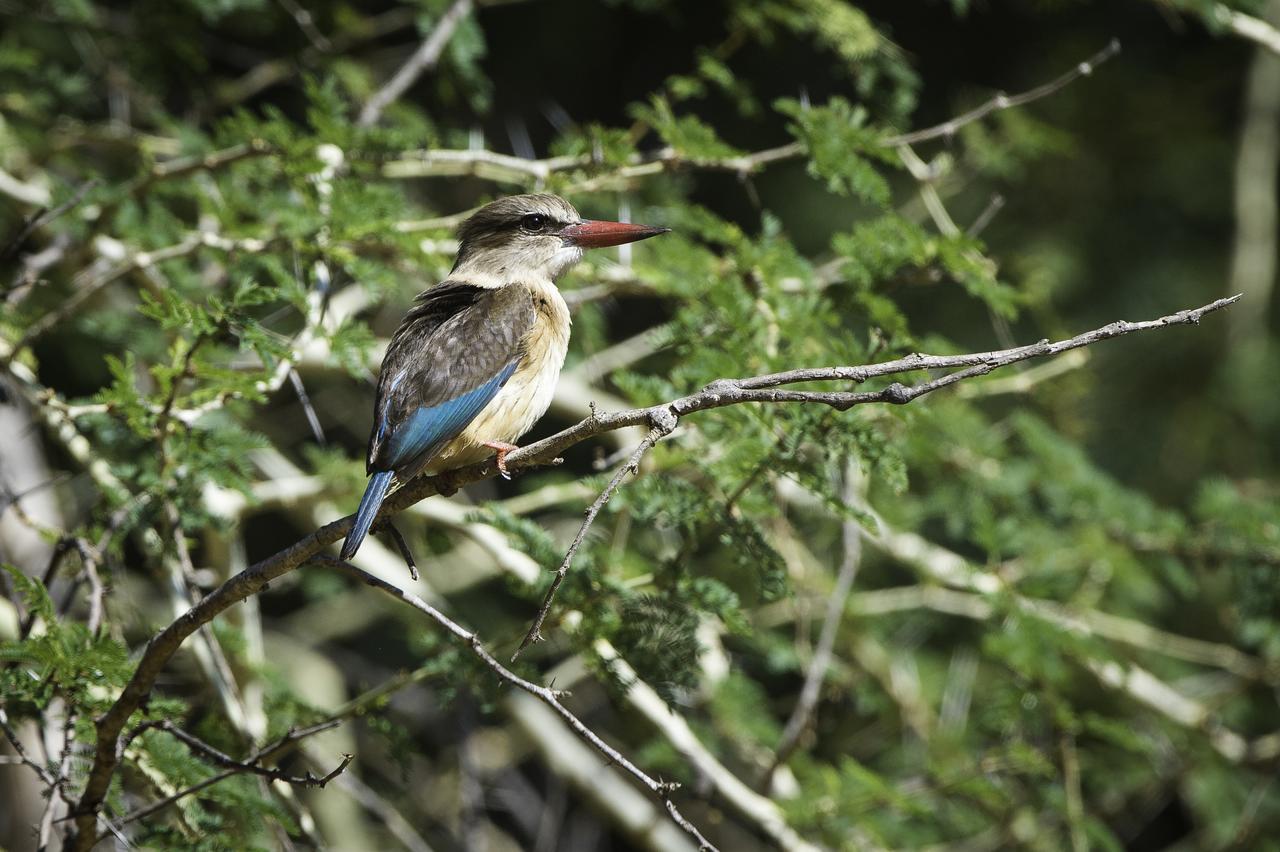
[{"x": 533, "y": 222}]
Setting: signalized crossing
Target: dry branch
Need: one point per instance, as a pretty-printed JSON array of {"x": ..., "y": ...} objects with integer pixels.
[
  {"x": 251, "y": 764},
  {"x": 546, "y": 695},
  {"x": 423, "y": 59},
  {"x": 806, "y": 704},
  {"x": 503, "y": 168},
  {"x": 659, "y": 430}
]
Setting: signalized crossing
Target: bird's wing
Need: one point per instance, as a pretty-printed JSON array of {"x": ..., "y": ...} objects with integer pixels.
[{"x": 452, "y": 354}]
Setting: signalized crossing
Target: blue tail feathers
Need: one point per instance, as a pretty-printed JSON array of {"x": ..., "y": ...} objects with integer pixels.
[{"x": 374, "y": 494}]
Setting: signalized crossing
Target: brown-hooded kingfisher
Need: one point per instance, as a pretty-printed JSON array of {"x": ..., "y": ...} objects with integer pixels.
[{"x": 474, "y": 363}]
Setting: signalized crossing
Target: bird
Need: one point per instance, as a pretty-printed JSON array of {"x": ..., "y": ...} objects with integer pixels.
[{"x": 475, "y": 361}]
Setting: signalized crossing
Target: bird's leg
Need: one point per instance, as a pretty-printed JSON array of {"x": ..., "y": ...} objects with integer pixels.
[
  {"x": 501, "y": 448},
  {"x": 385, "y": 525}
]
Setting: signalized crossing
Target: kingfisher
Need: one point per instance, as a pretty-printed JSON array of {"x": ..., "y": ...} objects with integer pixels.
[{"x": 475, "y": 361}]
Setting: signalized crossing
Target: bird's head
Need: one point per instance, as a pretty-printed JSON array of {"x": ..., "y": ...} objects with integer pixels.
[{"x": 537, "y": 236}]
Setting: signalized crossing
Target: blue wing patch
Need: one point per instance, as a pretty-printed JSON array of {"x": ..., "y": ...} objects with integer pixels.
[{"x": 428, "y": 428}]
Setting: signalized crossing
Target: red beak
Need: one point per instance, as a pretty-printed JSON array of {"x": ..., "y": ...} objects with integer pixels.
[{"x": 592, "y": 234}]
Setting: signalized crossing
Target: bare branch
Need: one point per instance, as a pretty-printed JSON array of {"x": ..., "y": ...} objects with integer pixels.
[
  {"x": 481, "y": 163},
  {"x": 423, "y": 59},
  {"x": 1145, "y": 688},
  {"x": 1002, "y": 101},
  {"x": 44, "y": 217},
  {"x": 251, "y": 764},
  {"x": 660, "y": 429},
  {"x": 90, "y": 281},
  {"x": 546, "y": 695},
  {"x": 307, "y": 24},
  {"x": 1256, "y": 30},
  {"x": 503, "y": 168},
  {"x": 716, "y": 395},
  {"x": 598, "y": 782},
  {"x": 383, "y": 810},
  {"x": 759, "y": 809},
  {"x": 183, "y": 166},
  {"x": 60, "y": 779},
  {"x": 851, "y": 535},
  {"x": 12, "y": 736}
]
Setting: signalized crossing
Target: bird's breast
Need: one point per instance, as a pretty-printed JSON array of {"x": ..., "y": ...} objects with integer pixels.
[{"x": 528, "y": 393}]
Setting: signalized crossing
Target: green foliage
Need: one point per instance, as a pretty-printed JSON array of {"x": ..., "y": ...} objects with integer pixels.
[
  {"x": 841, "y": 148},
  {"x": 657, "y": 634},
  {"x": 60, "y": 659},
  {"x": 1008, "y": 563},
  {"x": 689, "y": 136}
]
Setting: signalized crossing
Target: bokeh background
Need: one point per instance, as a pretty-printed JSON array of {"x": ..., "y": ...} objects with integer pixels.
[{"x": 1076, "y": 683}]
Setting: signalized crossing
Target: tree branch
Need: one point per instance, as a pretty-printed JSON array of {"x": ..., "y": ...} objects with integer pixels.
[
  {"x": 233, "y": 767},
  {"x": 851, "y": 538},
  {"x": 546, "y": 695},
  {"x": 503, "y": 168},
  {"x": 252, "y": 763},
  {"x": 761, "y": 810},
  {"x": 718, "y": 394},
  {"x": 1002, "y": 101},
  {"x": 1256, "y": 30},
  {"x": 423, "y": 59},
  {"x": 660, "y": 429},
  {"x": 87, "y": 283},
  {"x": 44, "y": 217}
]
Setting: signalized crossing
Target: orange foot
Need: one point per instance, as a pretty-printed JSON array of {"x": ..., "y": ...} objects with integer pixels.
[{"x": 502, "y": 448}]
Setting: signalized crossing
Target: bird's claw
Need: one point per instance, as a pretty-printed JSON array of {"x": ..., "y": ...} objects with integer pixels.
[{"x": 501, "y": 448}]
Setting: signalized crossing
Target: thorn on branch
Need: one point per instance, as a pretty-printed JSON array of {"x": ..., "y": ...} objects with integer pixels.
[
  {"x": 897, "y": 394},
  {"x": 721, "y": 386}
]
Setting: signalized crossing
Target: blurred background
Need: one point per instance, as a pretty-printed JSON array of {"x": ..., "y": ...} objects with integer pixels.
[{"x": 1043, "y": 604}]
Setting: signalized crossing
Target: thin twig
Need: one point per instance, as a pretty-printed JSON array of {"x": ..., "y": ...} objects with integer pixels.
[
  {"x": 503, "y": 168},
  {"x": 716, "y": 395},
  {"x": 1075, "y": 800},
  {"x": 660, "y": 429},
  {"x": 307, "y": 24},
  {"x": 762, "y": 811},
  {"x": 994, "y": 206},
  {"x": 12, "y": 736},
  {"x": 90, "y": 281},
  {"x": 89, "y": 558},
  {"x": 851, "y": 536},
  {"x": 60, "y": 780},
  {"x": 183, "y": 166},
  {"x": 313, "y": 419},
  {"x": 45, "y": 217},
  {"x": 1256, "y": 30},
  {"x": 1002, "y": 101},
  {"x": 382, "y": 810},
  {"x": 234, "y": 767},
  {"x": 252, "y": 764},
  {"x": 547, "y": 695},
  {"x": 423, "y": 59}
]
